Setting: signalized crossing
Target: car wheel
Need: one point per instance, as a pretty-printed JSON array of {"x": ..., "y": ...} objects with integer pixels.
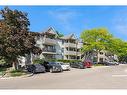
[
  {"x": 33, "y": 72},
  {"x": 80, "y": 67},
  {"x": 61, "y": 70},
  {"x": 69, "y": 69},
  {"x": 51, "y": 70}
]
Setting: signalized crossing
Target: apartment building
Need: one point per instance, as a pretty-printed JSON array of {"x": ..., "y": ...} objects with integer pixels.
[
  {"x": 102, "y": 56},
  {"x": 66, "y": 47},
  {"x": 71, "y": 47},
  {"x": 106, "y": 56},
  {"x": 47, "y": 41},
  {"x": 55, "y": 47}
]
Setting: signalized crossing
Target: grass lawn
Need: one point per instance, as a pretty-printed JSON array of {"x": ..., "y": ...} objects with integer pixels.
[
  {"x": 15, "y": 73},
  {"x": 2, "y": 70},
  {"x": 98, "y": 65},
  {"x": 12, "y": 73}
]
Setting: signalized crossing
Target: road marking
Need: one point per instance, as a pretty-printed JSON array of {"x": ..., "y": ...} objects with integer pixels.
[{"x": 119, "y": 75}]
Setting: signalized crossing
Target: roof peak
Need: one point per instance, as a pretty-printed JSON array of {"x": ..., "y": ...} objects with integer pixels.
[
  {"x": 70, "y": 36},
  {"x": 50, "y": 30}
]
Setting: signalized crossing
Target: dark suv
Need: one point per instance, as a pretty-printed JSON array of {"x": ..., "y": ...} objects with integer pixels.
[
  {"x": 79, "y": 65},
  {"x": 36, "y": 68},
  {"x": 52, "y": 67}
]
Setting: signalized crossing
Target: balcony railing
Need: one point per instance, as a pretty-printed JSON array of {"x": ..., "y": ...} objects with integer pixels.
[
  {"x": 49, "y": 41},
  {"x": 70, "y": 45},
  {"x": 48, "y": 50},
  {"x": 70, "y": 53}
]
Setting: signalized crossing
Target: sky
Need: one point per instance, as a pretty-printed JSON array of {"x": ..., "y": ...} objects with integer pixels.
[{"x": 76, "y": 19}]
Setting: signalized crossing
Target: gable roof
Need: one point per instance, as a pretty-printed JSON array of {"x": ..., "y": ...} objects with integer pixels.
[
  {"x": 50, "y": 30},
  {"x": 71, "y": 36}
]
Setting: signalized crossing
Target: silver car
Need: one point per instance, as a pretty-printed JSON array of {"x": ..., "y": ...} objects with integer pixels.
[{"x": 65, "y": 66}]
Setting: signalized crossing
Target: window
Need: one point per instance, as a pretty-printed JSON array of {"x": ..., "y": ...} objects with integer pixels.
[
  {"x": 62, "y": 42},
  {"x": 101, "y": 53},
  {"x": 101, "y": 60},
  {"x": 62, "y": 50},
  {"x": 94, "y": 59}
]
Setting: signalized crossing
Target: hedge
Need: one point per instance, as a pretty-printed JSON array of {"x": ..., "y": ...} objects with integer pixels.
[{"x": 37, "y": 61}]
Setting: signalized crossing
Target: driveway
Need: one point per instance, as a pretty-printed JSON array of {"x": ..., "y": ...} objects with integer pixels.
[{"x": 104, "y": 77}]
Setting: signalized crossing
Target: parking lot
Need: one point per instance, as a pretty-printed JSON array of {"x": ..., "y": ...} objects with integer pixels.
[{"x": 101, "y": 77}]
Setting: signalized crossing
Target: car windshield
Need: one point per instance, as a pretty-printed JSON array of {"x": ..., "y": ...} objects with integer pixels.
[
  {"x": 62, "y": 63},
  {"x": 52, "y": 63},
  {"x": 80, "y": 62},
  {"x": 37, "y": 65}
]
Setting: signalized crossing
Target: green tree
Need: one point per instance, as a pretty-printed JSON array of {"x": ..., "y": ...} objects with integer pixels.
[
  {"x": 95, "y": 40},
  {"x": 119, "y": 47},
  {"x": 15, "y": 38},
  {"x": 100, "y": 39}
]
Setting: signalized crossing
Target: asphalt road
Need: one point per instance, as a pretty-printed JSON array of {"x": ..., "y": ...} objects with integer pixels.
[{"x": 106, "y": 77}]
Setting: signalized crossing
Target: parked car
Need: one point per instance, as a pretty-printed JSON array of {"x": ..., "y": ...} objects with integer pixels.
[
  {"x": 108, "y": 63},
  {"x": 123, "y": 62},
  {"x": 113, "y": 63},
  {"x": 65, "y": 66},
  {"x": 52, "y": 67},
  {"x": 87, "y": 64},
  {"x": 36, "y": 68},
  {"x": 79, "y": 65},
  {"x": 103, "y": 63},
  {"x": 117, "y": 63}
]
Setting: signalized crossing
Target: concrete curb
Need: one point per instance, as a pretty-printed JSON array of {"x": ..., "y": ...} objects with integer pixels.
[
  {"x": 24, "y": 76},
  {"x": 99, "y": 66}
]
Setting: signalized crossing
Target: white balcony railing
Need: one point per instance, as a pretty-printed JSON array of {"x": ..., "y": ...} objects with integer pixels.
[
  {"x": 48, "y": 50},
  {"x": 70, "y": 53},
  {"x": 49, "y": 41},
  {"x": 70, "y": 45}
]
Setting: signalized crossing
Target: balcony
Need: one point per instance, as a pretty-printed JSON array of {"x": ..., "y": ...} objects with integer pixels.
[
  {"x": 49, "y": 51},
  {"x": 79, "y": 53},
  {"x": 70, "y": 53},
  {"x": 70, "y": 45},
  {"x": 49, "y": 41},
  {"x": 79, "y": 45}
]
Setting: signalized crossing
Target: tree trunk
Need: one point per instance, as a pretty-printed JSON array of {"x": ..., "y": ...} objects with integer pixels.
[
  {"x": 31, "y": 58},
  {"x": 15, "y": 65},
  {"x": 97, "y": 56}
]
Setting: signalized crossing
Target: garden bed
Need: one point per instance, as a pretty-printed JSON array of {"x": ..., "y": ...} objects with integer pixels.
[
  {"x": 2, "y": 70},
  {"x": 15, "y": 73},
  {"x": 98, "y": 65}
]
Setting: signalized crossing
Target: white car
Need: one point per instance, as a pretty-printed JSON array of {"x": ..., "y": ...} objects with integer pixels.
[
  {"x": 113, "y": 63},
  {"x": 65, "y": 66}
]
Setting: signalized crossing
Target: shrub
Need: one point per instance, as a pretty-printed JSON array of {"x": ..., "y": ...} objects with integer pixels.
[
  {"x": 15, "y": 73},
  {"x": 51, "y": 60},
  {"x": 68, "y": 61},
  {"x": 38, "y": 61},
  {"x": 98, "y": 65},
  {"x": 2, "y": 61},
  {"x": 2, "y": 70}
]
